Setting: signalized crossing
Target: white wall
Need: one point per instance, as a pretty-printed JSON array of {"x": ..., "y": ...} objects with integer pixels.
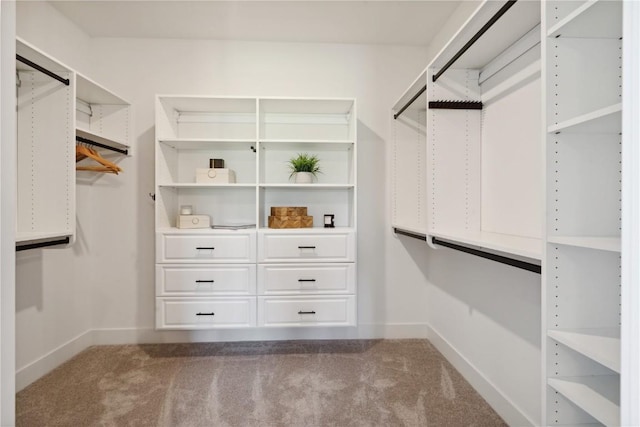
[{"x": 7, "y": 212}]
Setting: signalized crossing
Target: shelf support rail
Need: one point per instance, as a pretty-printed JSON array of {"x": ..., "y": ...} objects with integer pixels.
[
  {"x": 64, "y": 241},
  {"x": 42, "y": 69},
  {"x": 475, "y": 38},
  {"x": 491, "y": 256},
  {"x": 97, "y": 144}
]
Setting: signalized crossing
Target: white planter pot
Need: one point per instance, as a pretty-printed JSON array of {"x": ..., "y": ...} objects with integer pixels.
[{"x": 303, "y": 177}]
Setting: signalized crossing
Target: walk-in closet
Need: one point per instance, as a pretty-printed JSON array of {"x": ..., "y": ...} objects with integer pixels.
[{"x": 320, "y": 213}]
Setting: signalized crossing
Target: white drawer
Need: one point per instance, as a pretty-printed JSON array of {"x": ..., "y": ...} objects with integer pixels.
[
  {"x": 233, "y": 247},
  {"x": 178, "y": 280},
  {"x": 307, "y": 311},
  {"x": 279, "y": 279},
  {"x": 201, "y": 313},
  {"x": 303, "y": 247}
]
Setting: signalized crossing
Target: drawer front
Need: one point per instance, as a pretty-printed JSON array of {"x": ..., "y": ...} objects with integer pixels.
[
  {"x": 202, "y": 248},
  {"x": 178, "y": 280},
  {"x": 201, "y": 313},
  {"x": 282, "y": 247},
  {"x": 307, "y": 311},
  {"x": 302, "y": 279}
]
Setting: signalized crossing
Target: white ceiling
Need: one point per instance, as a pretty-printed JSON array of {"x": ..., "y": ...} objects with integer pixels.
[{"x": 376, "y": 22}]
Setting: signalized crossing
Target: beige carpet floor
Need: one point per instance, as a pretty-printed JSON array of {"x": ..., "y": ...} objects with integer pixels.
[{"x": 294, "y": 383}]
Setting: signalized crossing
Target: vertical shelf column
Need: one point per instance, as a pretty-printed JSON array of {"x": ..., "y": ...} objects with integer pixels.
[{"x": 581, "y": 283}]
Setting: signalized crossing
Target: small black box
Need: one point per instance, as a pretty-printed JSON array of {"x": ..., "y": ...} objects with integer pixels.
[{"x": 216, "y": 163}]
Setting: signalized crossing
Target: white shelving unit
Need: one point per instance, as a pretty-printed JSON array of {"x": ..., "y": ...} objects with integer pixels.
[
  {"x": 52, "y": 114},
  {"x": 256, "y": 137},
  {"x": 483, "y": 158},
  {"x": 581, "y": 284}
]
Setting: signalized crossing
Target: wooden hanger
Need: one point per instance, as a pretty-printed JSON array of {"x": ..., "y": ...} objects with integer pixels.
[{"x": 83, "y": 152}]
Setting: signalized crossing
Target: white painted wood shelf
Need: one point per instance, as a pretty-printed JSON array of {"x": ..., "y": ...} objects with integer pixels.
[
  {"x": 604, "y": 120},
  {"x": 204, "y": 143},
  {"x": 527, "y": 247},
  {"x": 601, "y": 345},
  {"x": 596, "y": 395},
  {"x": 203, "y": 185},
  {"x": 95, "y": 137},
  {"x": 611, "y": 244}
]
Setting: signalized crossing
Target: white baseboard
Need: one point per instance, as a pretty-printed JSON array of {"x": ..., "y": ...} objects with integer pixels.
[
  {"x": 56, "y": 357},
  {"x": 152, "y": 336},
  {"x": 45, "y": 364},
  {"x": 498, "y": 401}
]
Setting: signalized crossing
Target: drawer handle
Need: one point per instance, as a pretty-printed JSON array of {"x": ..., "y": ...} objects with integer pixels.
[
  {"x": 306, "y": 247},
  {"x": 306, "y": 280},
  {"x": 204, "y": 281},
  {"x": 306, "y": 312},
  {"x": 204, "y": 248},
  {"x": 206, "y": 314}
]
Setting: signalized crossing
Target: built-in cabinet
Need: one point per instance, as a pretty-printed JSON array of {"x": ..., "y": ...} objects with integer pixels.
[
  {"x": 58, "y": 107},
  {"x": 236, "y": 271},
  {"x": 582, "y": 51}
]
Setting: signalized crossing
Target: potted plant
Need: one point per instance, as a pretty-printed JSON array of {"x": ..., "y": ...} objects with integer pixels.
[{"x": 304, "y": 168}]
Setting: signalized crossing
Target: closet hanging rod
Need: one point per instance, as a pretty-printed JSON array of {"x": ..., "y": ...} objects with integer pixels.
[
  {"x": 97, "y": 144},
  {"x": 64, "y": 241},
  {"x": 411, "y": 101},
  {"x": 418, "y": 236},
  {"x": 475, "y": 38},
  {"x": 42, "y": 69},
  {"x": 488, "y": 255}
]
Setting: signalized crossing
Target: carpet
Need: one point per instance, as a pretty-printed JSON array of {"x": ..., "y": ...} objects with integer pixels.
[{"x": 275, "y": 383}]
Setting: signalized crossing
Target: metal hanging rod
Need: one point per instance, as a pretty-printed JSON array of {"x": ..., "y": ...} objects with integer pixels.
[
  {"x": 64, "y": 241},
  {"x": 410, "y": 234},
  {"x": 456, "y": 105},
  {"x": 411, "y": 101},
  {"x": 42, "y": 69},
  {"x": 475, "y": 38},
  {"x": 97, "y": 144},
  {"x": 488, "y": 255}
]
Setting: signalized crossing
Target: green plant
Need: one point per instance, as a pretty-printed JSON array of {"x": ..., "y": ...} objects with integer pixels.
[{"x": 304, "y": 163}]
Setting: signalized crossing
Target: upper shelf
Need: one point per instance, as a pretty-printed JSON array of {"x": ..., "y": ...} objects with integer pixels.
[
  {"x": 516, "y": 22},
  {"x": 34, "y": 54},
  {"x": 595, "y": 18},
  {"x": 94, "y": 93}
]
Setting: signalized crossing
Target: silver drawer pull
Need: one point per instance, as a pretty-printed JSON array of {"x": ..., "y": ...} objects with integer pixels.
[
  {"x": 306, "y": 312},
  {"x": 306, "y": 280},
  {"x": 206, "y": 314},
  {"x": 205, "y": 248},
  {"x": 306, "y": 247},
  {"x": 204, "y": 281}
]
